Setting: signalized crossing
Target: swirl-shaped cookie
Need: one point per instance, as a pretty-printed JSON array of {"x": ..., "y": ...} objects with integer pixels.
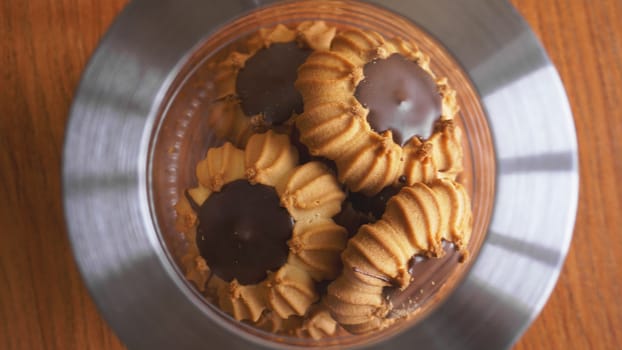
[
  {"x": 316, "y": 324},
  {"x": 367, "y": 101},
  {"x": 319, "y": 324},
  {"x": 259, "y": 228},
  {"x": 416, "y": 221},
  {"x": 254, "y": 88}
]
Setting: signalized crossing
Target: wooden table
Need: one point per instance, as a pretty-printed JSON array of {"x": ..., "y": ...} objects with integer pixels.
[{"x": 44, "y": 45}]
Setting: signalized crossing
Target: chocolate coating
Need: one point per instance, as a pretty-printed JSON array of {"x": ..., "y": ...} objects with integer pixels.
[
  {"x": 351, "y": 219},
  {"x": 266, "y": 83},
  {"x": 373, "y": 206},
  {"x": 304, "y": 156},
  {"x": 428, "y": 275},
  {"x": 401, "y": 97},
  {"x": 243, "y": 232}
]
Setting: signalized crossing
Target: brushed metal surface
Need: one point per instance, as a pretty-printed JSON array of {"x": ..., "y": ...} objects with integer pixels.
[{"x": 123, "y": 262}]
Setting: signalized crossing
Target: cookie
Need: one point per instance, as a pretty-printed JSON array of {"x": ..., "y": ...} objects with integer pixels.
[
  {"x": 259, "y": 228},
  {"x": 254, "y": 86},
  {"x": 376, "y": 109},
  {"x": 317, "y": 324},
  {"x": 380, "y": 256}
]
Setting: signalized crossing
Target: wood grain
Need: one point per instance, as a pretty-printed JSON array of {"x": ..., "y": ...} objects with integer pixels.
[
  {"x": 584, "y": 40},
  {"x": 44, "y": 46}
]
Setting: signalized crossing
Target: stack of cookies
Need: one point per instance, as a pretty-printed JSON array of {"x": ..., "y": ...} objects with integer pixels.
[{"x": 335, "y": 190}]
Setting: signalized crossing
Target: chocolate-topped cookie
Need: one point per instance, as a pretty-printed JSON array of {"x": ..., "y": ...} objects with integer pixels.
[
  {"x": 376, "y": 109},
  {"x": 265, "y": 85},
  {"x": 388, "y": 254},
  {"x": 260, "y": 229},
  {"x": 254, "y": 86},
  {"x": 400, "y": 96},
  {"x": 243, "y": 231}
]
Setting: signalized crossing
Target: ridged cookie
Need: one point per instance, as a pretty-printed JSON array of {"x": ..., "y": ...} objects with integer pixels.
[
  {"x": 336, "y": 125},
  {"x": 311, "y": 195},
  {"x": 416, "y": 221},
  {"x": 228, "y": 115}
]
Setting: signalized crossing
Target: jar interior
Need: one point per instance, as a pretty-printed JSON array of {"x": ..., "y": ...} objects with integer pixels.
[{"x": 182, "y": 137}]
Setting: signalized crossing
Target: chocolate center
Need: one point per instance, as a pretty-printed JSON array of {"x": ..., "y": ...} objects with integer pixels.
[
  {"x": 243, "y": 232},
  {"x": 359, "y": 209},
  {"x": 373, "y": 206},
  {"x": 428, "y": 275},
  {"x": 401, "y": 97},
  {"x": 266, "y": 83},
  {"x": 352, "y": 219}
]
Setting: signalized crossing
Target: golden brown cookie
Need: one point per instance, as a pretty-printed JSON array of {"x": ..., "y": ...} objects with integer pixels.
[
  {"x": 259, "y": 228},
  {"x": 316, "y": 324},
  {"x": 254, "y": 87},
  {"x": 271, "y": 322},
  {"x": 369, "y": 105},
  {"x": 319, "y": 324},
  {"x": 417, "y": 220}
]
